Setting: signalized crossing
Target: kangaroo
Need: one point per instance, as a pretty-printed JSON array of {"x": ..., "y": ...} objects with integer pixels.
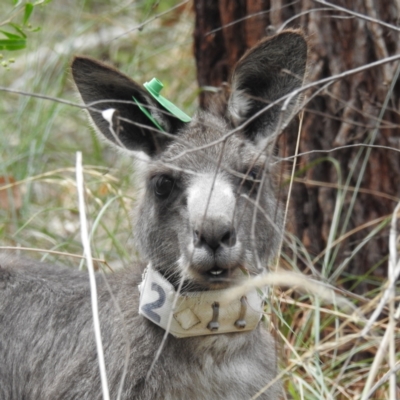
[{"x": 206, "y": 219}]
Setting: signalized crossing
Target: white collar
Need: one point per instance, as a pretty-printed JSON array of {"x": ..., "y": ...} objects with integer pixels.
[{"x": 196, "y": 313}]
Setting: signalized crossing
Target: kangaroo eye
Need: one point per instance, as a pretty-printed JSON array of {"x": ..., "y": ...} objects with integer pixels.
[
  {"x": 254, "y": 174},
  {"x": 163, "y": 186},
  {"x": 252, "y": 179}
]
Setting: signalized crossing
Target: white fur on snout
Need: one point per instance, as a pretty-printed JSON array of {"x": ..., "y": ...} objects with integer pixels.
[
  {"x": 219, "y": 207},
  {"x": 211, "y": 202}
]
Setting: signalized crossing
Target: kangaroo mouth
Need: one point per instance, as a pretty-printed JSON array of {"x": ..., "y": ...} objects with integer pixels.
[
  {"x": 216, "y": 271},
  {"x": 214, "y": 278},
  {"x": 217, "y": 274}
]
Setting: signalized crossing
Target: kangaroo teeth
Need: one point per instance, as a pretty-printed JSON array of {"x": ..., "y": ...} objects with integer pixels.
[{"x": 216, "y": 271}]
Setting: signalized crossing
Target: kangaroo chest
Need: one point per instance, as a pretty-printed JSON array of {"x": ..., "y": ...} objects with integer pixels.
[{"x": 226, "y": 367}]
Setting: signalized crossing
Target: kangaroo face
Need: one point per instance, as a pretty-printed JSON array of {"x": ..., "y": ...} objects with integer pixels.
[
  {"x": 209, "y": 210},
  {"x": 202, "y": 204}
]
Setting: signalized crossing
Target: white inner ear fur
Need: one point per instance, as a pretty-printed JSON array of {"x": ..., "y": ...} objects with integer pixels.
[{"x": 238, "y": 106}]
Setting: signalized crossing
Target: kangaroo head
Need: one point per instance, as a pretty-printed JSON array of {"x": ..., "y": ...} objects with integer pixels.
[{"x": 209, "y": 208}]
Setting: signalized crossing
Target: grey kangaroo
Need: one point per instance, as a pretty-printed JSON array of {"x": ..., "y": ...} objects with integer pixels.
[{"x": 206, "y": 218}]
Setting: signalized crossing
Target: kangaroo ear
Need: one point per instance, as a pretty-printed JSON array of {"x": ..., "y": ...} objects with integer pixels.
[
  {"x": 102, "y": 87},
  {"x": 270, "y": 70}
]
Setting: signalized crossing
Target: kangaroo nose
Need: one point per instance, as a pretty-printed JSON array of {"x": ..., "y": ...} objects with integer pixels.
[{"x": 214, "y": 238}]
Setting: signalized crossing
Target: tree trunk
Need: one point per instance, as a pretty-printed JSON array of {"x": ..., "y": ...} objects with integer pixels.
[{"x": 352, "y": 188}]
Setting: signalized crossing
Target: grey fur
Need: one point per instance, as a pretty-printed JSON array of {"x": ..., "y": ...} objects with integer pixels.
[{"x": 47, "y": 347}]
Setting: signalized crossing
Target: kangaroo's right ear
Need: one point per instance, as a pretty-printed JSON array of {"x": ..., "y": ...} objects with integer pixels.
[
  {"x": 102, "y": 87},
  {"x": 269, "y": 71}
]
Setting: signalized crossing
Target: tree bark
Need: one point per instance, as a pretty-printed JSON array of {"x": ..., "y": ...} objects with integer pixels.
[{"x": 345, "y": 113}]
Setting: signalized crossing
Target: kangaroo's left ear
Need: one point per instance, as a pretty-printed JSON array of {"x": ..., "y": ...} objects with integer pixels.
[
  {"x": 103, "y": 87},
  {"x": 270, "y": 70}
]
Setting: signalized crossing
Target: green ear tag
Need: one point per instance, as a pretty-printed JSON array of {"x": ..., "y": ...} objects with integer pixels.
[
  {"x": 154, "y": 88},
  {"x": 148, "y": 115}
]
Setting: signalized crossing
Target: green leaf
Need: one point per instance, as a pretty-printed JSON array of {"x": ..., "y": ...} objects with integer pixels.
[
  {"x": 10, "y": 35},
  {"x": 28, "y": 12},
  {"x": 8, "y": 44},
  {"x": 18, "y": 29}
]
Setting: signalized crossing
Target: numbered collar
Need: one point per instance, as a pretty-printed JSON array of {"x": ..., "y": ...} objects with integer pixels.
[{"x": 196, "y": 313}]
